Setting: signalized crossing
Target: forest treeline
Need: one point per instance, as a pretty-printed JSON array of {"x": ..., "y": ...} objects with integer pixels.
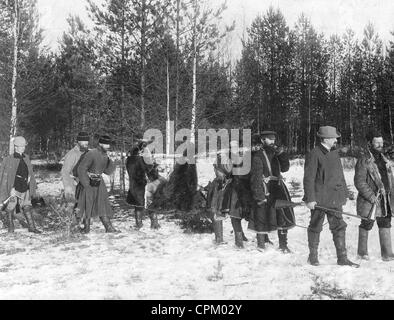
[{"x": 144, "y": 62}]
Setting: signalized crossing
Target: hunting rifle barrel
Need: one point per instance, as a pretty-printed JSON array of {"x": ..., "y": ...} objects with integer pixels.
[{"x": 281, "y": 204}]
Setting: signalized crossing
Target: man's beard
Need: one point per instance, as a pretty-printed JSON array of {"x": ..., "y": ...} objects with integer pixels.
[
  {"x": 83, "y": 148},
  {"x": 379, "y": 149}
]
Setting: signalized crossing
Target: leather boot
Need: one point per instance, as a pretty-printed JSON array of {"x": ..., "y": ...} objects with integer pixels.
[
  {"x": 218, "y": 229},
  {"x": 108, "y": 225},
  {"x": 154, "y": 222},
  {"x": 239, "y": 239},
  {"x": 260, "y": 241},
  {"x": 138, "y": 218},
  {"x": 244, "y": 237},
  {"x": 362, "y": 249},
  {"x": 385, "y": 244},
  {"x": 10, "y": 221},
  {"x": 339, "y": 238},
  {"x": 282, "y": 235},
  {"x": 86, "y": 225},
  {"x": 267, "y": 240},
  {"x": 30, "y": 221},
  {"x": 313, "y": 243}
]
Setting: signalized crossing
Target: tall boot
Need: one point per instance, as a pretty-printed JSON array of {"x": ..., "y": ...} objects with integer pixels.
[
  {"x": 108, "y": 225},
  {"x": 138, "y": 218},
  {"x": 267, "y": 240},
  {"x": 86, "y": 225},
  {"x": 154, "y": 222},
  {"x": 313, "y": 244},
  {"x": 260, "y": 240},
  {"x": 339, "y": 238},
  {"x": 10, "y": 221},
  {"x": 362, "y": 249},
  {"x": 282, "y": 235},
  {"x": 30, "y": 221},
  {"x": 218, "y": 229},
  {"x": 239, "y": 242},
  {"x": 385, "y": 244},
  {"x": 238, "y": 232}
]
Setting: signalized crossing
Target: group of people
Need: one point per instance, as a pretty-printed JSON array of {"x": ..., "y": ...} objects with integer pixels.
[
  {"x": 252, "y": 196},
  {"x": 85, "y": 192}
]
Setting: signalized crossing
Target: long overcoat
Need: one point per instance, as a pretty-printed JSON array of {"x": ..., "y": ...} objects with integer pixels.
[
  {"x": 267, "y": 186},
  {"x": 93, "y": 201},
  {"x": 324, "y": 181},
  {"x": 368, "y": 181}
]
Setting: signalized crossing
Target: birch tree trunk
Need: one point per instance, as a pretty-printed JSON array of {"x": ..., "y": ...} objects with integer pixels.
[
  {"x": 168, "y": 134},
  {"x": 194, "y": 107},
  {"x": 14, "y": 78},
  {"x": 143, "y": 64},
  {"x": 177, "y": 65}
]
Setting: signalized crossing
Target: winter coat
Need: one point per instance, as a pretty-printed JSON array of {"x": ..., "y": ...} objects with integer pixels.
[
  {"x": 220, "y": 191},
  {"x": 8, "y": 170},
  {"x": 93, "y": 201},
  {"x": 70, "y": 160},
  {"x": 368, "y": 182},
  {"x": 138, "y": 172},
  {"x": 324, "y": 181},
  {"x": 267, "y": 186},
  {"x": 237, "y": 196}
]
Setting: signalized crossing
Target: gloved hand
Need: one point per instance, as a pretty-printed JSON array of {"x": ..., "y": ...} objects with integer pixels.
[{"x": 261, "y": 203}]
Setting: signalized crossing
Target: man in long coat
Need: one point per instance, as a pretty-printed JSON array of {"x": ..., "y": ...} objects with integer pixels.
[
  {"x": 374, "y": 181},
  {"x": 18, "y": 185},
  {"x": 70, "y": 161},
  {"x": 267, "y": 186},
  {"x": 93, "y": 198},
  {"x": 139, "y": 173},
  {"x": 325, "y": 186},
  {"x": 237, "y": 197}
]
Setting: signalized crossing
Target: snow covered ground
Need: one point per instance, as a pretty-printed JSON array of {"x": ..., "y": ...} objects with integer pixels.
[{"x": 169, "y": 264}]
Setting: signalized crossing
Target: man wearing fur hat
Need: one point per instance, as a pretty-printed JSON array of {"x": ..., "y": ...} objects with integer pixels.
[
  {"x": 375, "y": 184},
  {"x": 325, "y": 186},
  {"x": 93, "y": 199},
  {"x": 18, "y": 185},
  {"x": 267, "y": 186},
  {"x": 70, "y": 161}
]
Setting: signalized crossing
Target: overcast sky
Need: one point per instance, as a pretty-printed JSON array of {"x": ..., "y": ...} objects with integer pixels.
[{"x": 327, "y": 16}]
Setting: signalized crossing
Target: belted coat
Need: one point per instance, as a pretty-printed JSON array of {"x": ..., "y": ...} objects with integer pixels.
[
  {"x": 267, "y": 186},
  {"x": 93, "y": 201}
]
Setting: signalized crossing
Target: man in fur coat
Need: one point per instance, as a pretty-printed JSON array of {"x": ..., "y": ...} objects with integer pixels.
[
  {"x": 375, "y": 184},
  {"x": 267, "y": 186},
  {"x": 93, "y": 198}
]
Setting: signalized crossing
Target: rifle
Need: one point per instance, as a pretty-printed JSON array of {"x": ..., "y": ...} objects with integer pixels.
[{"x": 281, "y": 204}]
